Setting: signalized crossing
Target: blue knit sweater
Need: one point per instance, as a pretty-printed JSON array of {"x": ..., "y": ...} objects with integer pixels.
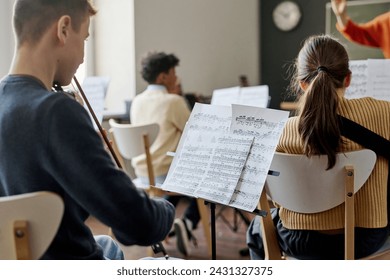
[{"x": 47, "y": 142}]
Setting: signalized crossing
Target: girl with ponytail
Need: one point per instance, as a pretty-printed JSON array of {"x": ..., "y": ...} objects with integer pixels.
[{"x": 321, "y": 76}]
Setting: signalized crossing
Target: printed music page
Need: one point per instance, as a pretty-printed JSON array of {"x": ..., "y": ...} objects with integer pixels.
[
  {"x": 225, "y": 96},
  {"x": 224, "y": 157},
  {"x": 358, "y": 86},
  {"x": 254, "y": 96},
  {"x": 370, "y": 78},
  {"x": 379, "y": 78},
  {"x": 266, "y": 126},
  {"x": 210, "y": 165}
]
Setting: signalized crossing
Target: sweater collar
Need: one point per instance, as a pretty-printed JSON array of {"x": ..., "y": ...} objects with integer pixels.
[{"x": 157, "y": 87}]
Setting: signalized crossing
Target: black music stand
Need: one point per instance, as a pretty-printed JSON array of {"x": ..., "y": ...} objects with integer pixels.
[{"x": 213, "y": 226}]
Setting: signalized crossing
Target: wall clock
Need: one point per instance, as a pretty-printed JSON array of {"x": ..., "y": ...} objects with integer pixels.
[{"x": 286, "y": 15}]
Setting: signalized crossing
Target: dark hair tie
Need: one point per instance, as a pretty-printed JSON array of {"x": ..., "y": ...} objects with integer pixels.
[{"x": 322, "y": 69}]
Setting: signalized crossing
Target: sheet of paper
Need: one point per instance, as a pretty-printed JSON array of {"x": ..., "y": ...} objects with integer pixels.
[
  {"x": 210, "y": 165},
  {"x": 225, "y": 167},
  {"x": 225, "y": 96},
  {"x": 254, "y": 96},
  {"x": 95, "y": 90},
  {"x": 379, "y": 78},
  {"x": 266, "y": 126},
  {"x": 205, "y": 155},
  {"x": 207, "y": 119},
  {"x": 358, "y": 86}
]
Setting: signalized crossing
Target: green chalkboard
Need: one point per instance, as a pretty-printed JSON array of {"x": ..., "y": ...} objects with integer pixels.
[{"x": 359, "y": 12}]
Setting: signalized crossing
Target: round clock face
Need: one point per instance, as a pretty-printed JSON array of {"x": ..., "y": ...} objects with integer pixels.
[{"x": 286, "y": 15}]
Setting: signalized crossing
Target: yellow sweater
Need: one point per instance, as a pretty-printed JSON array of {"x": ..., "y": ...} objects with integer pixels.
[
  {"x": 370, "y": 200},
  {"x": 170, "y": 111}
]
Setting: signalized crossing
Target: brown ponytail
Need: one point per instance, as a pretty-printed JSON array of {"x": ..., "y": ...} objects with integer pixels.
[{"x": 322, "y": 64}]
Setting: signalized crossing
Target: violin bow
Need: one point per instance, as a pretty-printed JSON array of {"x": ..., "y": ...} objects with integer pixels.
[
  {"x": 101, "y": 130},
  {"x": 158, "y": 247}
]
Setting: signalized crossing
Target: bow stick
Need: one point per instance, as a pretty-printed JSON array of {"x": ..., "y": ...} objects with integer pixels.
[
  {"x": 158, "y": 247},
  {"x": 101, "y": 130}
]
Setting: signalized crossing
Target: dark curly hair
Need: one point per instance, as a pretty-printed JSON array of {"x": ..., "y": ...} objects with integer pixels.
[{"x": 155, "y": 63}]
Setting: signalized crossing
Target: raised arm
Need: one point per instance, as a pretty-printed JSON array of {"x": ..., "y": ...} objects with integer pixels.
[{"x": 339, "y": 8}]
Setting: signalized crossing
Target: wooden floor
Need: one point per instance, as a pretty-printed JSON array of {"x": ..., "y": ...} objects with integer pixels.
[{"x": 229, "y": 244}]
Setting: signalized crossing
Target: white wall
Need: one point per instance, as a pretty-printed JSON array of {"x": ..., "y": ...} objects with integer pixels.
[
  {"x": 7, "y": 41},
  {"x": 113, "y": 33},
  {"x": 215, "y": 40}
]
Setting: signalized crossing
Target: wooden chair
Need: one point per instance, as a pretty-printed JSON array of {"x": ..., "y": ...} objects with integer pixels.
[
  {"x": 133, "y": 140},
  {"x": 28, "y": 224},
  {"x": 303, "y": 185}
]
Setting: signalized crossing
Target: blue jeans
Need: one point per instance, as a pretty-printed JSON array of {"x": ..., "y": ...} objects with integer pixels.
[{"x": 111, "y": 249}]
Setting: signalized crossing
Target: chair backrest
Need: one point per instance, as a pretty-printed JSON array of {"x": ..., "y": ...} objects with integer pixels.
[
  {"x": 129, "y": 138},
  {"x": 28, "y": 224},
  {"x": 303, "y": 185}
]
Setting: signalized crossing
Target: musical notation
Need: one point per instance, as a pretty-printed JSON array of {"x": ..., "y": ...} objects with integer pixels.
[
  {"x": 266, "y": 134},
  {"x": 370, "y": 78},
  {"x": 225, "y": 153}
]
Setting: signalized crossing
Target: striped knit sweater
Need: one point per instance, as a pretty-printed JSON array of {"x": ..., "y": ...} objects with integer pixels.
[{"x": 370, "y": 200}]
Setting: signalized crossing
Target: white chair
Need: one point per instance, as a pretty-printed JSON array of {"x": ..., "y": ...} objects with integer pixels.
[
  {"x": 28, "y": 224},
  {"x": 303, "y": 185},
  {"x": 133, "y": 140}
]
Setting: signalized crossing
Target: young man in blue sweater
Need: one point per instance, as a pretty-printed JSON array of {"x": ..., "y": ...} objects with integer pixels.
[{"x": 48, "y": 143}]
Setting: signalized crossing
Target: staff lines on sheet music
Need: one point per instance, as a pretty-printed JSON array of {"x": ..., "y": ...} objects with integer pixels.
[
  {"x": 358, "y": 67},
  {"x": 269, "y": 134},
  {"x": 215, "y": 196},
  {"x": 227, "y": 160},
  {"x": 190, "y": 170},
  {"x": 255, "y": 122},
  {"x": 217, "y": 175},
  {"x": 262, "y": 127},
  {"x": 210, "y": 118},
  {"x": 208, "y": 128}
]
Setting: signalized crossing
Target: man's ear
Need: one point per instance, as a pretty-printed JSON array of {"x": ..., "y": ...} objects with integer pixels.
[{"x": 64, "y": 24}]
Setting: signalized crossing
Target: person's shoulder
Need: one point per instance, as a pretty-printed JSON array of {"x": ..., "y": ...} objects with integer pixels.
[
  {"x": 174, "y": 98},
  {"x": 383, "y": 17},
  {"x": 292, "y": 120},
  {"x": 367, "y": 100}
]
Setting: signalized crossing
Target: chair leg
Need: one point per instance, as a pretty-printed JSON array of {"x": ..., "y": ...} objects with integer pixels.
[{"x": 205, "y": 220}]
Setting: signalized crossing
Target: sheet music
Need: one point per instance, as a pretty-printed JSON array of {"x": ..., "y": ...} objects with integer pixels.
[
  {"x": 254, "y": 96},
  {"x": 358, "y": 86},
  {"x": 370, "y": 78},
  {"x": 210, "y": 165},
  {"x": 266, "y": 126},
  {"x": 379, "y": 81},
  {"x": 95, "y": 90},
  {"x": 206, "y": 118},
  {"x": 225, "y": 96}
]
